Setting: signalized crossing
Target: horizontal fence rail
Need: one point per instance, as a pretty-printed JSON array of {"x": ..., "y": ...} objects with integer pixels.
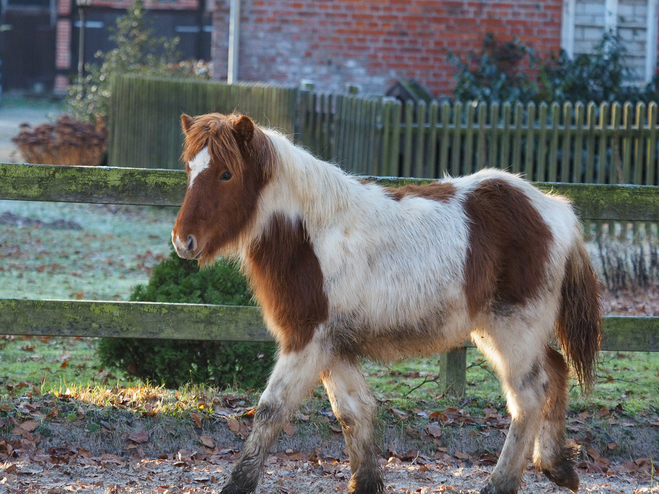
[
  {"x": 132, "y": 320},
  {"x": 217, "y": 322},
  {"x": 139, "y": 186}
]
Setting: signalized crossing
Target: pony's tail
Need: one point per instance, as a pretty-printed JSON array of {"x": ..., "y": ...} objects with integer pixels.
[{"x": 579, "y": 327}]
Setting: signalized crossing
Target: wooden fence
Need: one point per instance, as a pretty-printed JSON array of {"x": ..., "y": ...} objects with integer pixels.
[
  {"x": 145, "y": 114},
  {"x": 576, "y": 143},
  {"x": 131, "y": 186}
]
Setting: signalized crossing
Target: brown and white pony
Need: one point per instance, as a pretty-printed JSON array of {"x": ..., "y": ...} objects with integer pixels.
[{"x": 345, "y": 269}]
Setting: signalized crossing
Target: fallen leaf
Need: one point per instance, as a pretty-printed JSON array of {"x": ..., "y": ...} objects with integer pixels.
[
  {"x": 29, "y": 425},
  {"x": 207, "y": 441},
  {"x": 139, "y": 437},
  {"x": 234, "y": 425},
  {"x": 289, "y": 429},
  {"x": 196, "y": 418},
  {"x": 487, "y": 459},
  {"x": 434, "y": 429}
]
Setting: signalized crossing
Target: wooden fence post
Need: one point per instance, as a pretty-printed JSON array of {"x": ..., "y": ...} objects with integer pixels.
[{"x": 452, "y": 372}]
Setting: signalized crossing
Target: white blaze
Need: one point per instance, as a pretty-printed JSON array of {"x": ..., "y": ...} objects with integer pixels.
[{"x": 198, "y": 164}]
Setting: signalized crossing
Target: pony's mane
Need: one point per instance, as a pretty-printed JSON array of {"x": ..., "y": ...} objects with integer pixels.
[{"x": 322, "y": 187}]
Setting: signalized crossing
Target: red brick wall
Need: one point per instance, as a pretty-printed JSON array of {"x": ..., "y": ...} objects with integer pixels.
[{"x": 372, "y": 42}]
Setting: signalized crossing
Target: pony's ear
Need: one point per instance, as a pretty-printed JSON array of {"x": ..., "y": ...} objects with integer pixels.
[
  {"x": 244, "y": 129},
  {"x": 186, "y": 123}
]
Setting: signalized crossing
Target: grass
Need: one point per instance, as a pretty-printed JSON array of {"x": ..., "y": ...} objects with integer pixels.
[
  {"x": 79, "y": 251},
  {"x": 17, "y": 100},
  {"x": 40, "y": 365}
]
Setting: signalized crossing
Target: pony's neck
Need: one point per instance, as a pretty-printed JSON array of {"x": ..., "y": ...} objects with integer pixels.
[{"x": 305, "y": 187}]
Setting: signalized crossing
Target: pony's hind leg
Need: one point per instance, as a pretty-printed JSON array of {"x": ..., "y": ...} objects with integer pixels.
[
  {"x": 520, "y": 365},
  {"x": 551, "y": 455},
  {"x": 354, "y": 407}
]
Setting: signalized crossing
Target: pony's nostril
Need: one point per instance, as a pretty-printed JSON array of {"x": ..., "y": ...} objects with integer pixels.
[{"x": 192, "y": 243}]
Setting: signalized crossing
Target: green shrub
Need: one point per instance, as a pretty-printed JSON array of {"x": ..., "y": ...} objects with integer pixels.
[
  {"x": 496, "y": 73},
  {"x": 177, "y": 362},
  {"x": 600, "y": 77},
  {"x": 511, "y": 72}
]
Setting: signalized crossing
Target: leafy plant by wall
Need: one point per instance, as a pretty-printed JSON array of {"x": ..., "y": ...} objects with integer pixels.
[
  {"x": 499, "y": 72},
  {"x": 67, "y": 142},
  {"x": 177, "y": 362},
  {"x": 511, "y": 72}
]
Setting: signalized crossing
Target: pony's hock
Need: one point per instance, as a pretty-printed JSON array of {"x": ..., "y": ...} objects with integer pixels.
[{"x": 487, "y": 256}]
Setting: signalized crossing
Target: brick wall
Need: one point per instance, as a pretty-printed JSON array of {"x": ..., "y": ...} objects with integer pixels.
[{"x": 372, "y": 42}]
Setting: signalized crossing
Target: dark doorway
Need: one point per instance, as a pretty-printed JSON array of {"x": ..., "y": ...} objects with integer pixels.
[
  {"x": 27, "y": 45},
  {"x": 192, "y": 29}
]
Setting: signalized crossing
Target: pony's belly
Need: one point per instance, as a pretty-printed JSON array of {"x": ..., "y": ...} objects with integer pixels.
[{"x": 388, "y": 337}]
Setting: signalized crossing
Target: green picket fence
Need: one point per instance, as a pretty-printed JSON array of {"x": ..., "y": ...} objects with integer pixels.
[
  {"x": 577, "y": 143},
  {"x": 145, "y": 114},
  {"x": 607, "y": 143}
]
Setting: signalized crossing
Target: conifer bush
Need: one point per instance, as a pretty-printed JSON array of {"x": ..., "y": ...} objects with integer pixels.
[{"x": 177, "y": 362}]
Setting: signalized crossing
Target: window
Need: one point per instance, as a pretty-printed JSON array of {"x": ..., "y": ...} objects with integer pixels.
[{"x": 633, "y": 21}]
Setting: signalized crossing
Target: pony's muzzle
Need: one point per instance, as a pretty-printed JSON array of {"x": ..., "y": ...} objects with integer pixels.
[{"x": 187, "y": 249}]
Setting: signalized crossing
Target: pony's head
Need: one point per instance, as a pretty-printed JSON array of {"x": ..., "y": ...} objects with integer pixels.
[{"x": 228, "y": 160}]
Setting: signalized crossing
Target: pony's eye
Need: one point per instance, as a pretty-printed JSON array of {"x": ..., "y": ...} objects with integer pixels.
[{"x": 225, "y": 176}]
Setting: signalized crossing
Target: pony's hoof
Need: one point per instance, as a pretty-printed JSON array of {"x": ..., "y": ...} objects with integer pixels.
[
  {"x": 491, "y": 489},
  {"x": 564, "y": 475},
  {"x": 232, "y": 488},
  {"x": 362, "y": 484}
]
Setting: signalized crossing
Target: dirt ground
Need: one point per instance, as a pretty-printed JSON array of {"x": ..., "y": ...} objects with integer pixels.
[{"x": 186, "y": 474}]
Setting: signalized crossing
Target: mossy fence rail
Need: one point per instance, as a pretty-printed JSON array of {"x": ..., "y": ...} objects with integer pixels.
[{"x": 132, "y": 186}]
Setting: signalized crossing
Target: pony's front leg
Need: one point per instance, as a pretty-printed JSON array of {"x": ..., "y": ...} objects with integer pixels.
[
  {"x": 292, "y": 378},
  {"x": 354, "y": 407}
]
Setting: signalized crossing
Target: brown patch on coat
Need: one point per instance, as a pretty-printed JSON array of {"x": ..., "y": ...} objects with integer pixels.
[
  {"x": 287, "y": 280},
  {"x": 579, "y": 320},
  {"x": 509, "y": 246},
  {"x": 216, "y": 210},
  {"x": 436, "y": 191}
]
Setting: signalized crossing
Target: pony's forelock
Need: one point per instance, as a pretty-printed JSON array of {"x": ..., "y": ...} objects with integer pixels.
[{"x": 214, "y": 131}]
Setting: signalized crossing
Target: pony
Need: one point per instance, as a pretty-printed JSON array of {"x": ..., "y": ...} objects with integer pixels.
[{"x": 345, "y": 269}]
